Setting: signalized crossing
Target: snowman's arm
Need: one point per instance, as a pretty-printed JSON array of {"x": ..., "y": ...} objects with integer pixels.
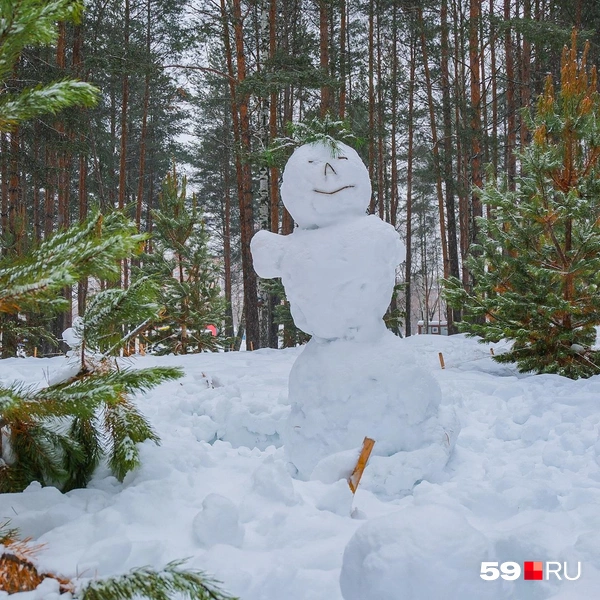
[
  {"x": 388, "y": 239},
  {"x": 267, "y": 251}
]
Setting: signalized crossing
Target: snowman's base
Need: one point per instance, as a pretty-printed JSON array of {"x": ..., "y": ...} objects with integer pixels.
[{"x": 342, "y": 391}]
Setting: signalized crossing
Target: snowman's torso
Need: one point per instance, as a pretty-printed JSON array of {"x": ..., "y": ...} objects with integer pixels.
[{"x": 339, "y": 279}]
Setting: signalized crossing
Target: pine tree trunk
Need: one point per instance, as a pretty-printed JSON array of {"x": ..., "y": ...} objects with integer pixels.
[
  {"x": 150, "y": 200},
  {"x": 274, "y": 300},
  {"x": 14, "y": 191},
  {"x": 394, "y": 101},
  {"x": 63, "y": 174},
  {"x": 525, "y": 74},
  {"x": 227, "y": 249},
  {"x": 371, "y": 103},
  {"x": 64, "y": 320},
  {"x": 4, "y": 157},
  {"x": 82, "y": 287},
  {"x": 453, "y": 267},
  {"x": 435, "y": 146},
  {"x": 462, "y": 152},
  {"x": 343, "y": 18},
  {"x": 37, "y": 226},
  {"x": 325, "y": 106},
  {"x": 113, "y": 184},
  {"x": 475, "y": 68},
  {"x": 49, "y": 194},
  {"x": 380, "y": 124},
  {"x": 494, "y": 80},
  {"x": 244, "y": 183},
  {"x": 485, "y": 138},
  {"x": 409, "y": 182},
  {"x": 264, "y": 204},
  {"x": 511, "y": 141},
  {"x": 144, "y": 131},
  {"x": 123, "y": 145}
]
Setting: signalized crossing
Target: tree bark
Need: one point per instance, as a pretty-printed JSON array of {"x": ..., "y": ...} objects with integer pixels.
[
  {"x": 144, "y": 131},
  {"x": 14, "y": 192},
  {"x": 4, "y": 188},
  {"x": 409, "y": 182},
  {"x": 227, "y": 248},
  {"x": 371, "y": 104},
  {"x": 49, "y": 194},
  {"x": 453, "y": 266},
  {"x": 380, "y": 124},
  {"x": 123, "y": 145},
  {"x": 511, "y": 139},
  {"x": 475, "y": 68},
  {"x": 525, "y": 74},
  {"x": 435, "y": 146},
  {"x": 394, "y": 101},
  {"x": 343, "y": 29},
  {"x": 325, "y": 106},
  {"x": 273, "y": 340},
  {"x": 245, "y": 184},
  {"x": 494, "y": 81}
]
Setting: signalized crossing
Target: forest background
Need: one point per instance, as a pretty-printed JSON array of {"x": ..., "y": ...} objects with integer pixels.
[{"x": 434, "y": 93}]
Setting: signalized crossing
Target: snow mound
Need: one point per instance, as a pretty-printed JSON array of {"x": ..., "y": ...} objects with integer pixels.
[
  {"x": 342, "y": 391},
  {"x": 243, "y": 406},
  {"x": 523, "y": 483},
  {"x": 218, "y": 522},
  {"x": 418, "y": 553}
]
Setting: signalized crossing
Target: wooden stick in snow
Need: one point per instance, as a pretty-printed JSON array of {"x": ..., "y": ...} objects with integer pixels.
[
  {"x": 442, "y": 363},
  {"x": 365, "y": 453}
]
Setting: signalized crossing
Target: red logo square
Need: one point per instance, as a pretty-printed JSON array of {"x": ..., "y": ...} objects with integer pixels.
[{"x": 534, "y": 570}]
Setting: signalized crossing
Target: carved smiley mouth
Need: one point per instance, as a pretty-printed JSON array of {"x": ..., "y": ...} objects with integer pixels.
[{"x": 335, "y": 191}]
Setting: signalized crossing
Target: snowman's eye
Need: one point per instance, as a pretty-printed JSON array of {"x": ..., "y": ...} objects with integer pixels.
[
  {"x": 342, "y": 157},
  {"x": 311, "y": 161}
]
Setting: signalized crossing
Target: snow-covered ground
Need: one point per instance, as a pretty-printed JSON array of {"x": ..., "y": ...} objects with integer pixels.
[{"x": 523, "y": 484}]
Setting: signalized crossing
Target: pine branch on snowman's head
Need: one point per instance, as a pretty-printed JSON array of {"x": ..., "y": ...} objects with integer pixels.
[
  {"x": 325, "y": 184},
  {"x": 328, "y": 130}
]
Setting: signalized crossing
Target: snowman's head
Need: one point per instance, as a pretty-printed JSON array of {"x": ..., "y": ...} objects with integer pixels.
[{"x": 323, "y": 185}]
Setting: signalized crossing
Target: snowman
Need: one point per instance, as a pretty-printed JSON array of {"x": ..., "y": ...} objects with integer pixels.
[{"x": 354, "y": 378}]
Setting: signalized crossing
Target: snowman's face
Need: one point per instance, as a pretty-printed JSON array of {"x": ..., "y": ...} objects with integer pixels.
[{"x": 322, "y": 187}]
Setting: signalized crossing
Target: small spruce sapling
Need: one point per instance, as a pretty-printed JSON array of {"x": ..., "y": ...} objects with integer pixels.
[
  {"x": 537, "y": 267},
  {"x": 188, "y": 275}
]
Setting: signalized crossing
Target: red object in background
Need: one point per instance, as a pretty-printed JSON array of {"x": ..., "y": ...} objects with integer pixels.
[
  {"x": 212, "y": 329},
  {"x": 534, "y": 570}
]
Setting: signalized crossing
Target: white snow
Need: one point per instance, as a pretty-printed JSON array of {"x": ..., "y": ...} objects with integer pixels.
[
  {"x": 338, "y": 279},
  {"x": 523, "y": 483},
  {"x": 416, "y": 553},
  {"x": 342, "y": 391}
]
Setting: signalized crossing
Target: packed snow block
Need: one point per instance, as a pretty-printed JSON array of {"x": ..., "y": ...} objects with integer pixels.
[
  {"x": 341, "y": 391},
  {"x": 339, "y": 282},
  {"x": 418, "y": 553},
  {"x": 218, "y": 523},
  {"x": 354, "y": 378},
  {"x": 336, "y": 498},
  {"x": 271, "y": 480}
]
